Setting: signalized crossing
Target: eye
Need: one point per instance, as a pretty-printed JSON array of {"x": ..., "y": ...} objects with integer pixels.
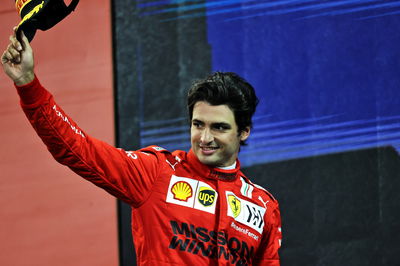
[
  {"x": 196, "y": 124},
  {"x": 222, "y": 127}
]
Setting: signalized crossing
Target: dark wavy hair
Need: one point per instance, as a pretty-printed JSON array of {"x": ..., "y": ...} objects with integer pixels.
[{"x": 226, "y": 88}]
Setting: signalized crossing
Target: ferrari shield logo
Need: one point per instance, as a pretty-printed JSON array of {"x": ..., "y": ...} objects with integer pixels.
[{"x": 234, "y": 204}]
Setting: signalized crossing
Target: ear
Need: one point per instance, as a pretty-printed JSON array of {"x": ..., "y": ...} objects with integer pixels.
[{"x": 244, "y": 134}]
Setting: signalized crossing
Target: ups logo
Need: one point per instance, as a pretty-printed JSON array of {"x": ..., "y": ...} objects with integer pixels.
[{"x": 206, "y": 196}]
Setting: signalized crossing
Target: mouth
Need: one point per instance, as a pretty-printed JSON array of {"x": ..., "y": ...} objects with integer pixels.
[{"x": 208, "y": 150}]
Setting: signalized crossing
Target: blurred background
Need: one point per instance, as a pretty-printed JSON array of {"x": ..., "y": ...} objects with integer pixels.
[{"x": 326, "y": 133}]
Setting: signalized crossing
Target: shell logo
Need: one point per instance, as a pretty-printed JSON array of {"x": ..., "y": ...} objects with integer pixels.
[{"x": 182, "y": 191}]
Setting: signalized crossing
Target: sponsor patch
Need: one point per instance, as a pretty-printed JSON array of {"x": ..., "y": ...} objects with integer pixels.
[
  {"x": 182, "y": 191},
  {"x": 206, "y": 196},
  {"x": 244, "y": 231},
  {"x": 245, "y": 212},
  {"x": 215, "y": 245},
  {"x": 263, "y": 202},
  {"x": 234, "y": 204},
  {"x": 75, "y": 129},
  {"x": 176, "y": 195},
  {"x": 192, "y": 193}
]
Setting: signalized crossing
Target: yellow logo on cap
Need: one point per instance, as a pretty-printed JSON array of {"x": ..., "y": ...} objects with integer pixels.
[
  {"x": 234, "y": 203},
  {"x": 182, "y": 191},
  {"x": 32, "y": 12}
]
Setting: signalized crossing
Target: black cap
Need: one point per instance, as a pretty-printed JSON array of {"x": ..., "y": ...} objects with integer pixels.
[{"x": 41, "y": 14}]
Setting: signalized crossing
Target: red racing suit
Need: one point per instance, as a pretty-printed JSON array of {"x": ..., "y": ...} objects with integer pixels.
[{"x": 183, "y": 212}]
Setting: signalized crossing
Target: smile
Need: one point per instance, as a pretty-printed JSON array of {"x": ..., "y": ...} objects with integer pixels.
[
  {"x": 205, "y": 150},
  {"x": 208, "y": 148}
]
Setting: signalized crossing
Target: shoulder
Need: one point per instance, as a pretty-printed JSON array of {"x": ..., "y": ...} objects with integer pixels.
[
  {"x": 164, "y": 156},
  {"x": 266, "y": 192},
  {"x": 258, "y": 192},
  {"x": 150, "y": 153},
  {"x": 157, "y": 151},
  {"x": 265, "y": 199},
  {"x": 154, "y": 150}
]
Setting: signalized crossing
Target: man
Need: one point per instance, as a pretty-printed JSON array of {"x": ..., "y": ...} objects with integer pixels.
[{"x": 192, "y": 207}]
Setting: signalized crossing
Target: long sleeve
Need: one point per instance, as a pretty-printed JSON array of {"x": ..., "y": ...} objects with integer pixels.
[{"x": 128, "y": 175}]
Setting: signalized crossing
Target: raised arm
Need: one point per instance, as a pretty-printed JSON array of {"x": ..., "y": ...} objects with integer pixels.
[{"x": 127, "y": 175}]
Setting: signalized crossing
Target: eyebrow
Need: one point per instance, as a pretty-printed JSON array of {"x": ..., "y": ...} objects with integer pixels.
[
  {"x": 215, "y": 124},
  {"x": 197, "y": 121},
  {"x": 221, "y": 124}
]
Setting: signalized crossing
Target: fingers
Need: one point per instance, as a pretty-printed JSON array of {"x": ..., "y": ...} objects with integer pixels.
[
  {"x": 15, "y": 54},
  {"x": 24, "y": 39},
  {"x": 14, "y": 41},
  {"x": 16, "y": 49},
  {"x": 8, "y": 57},
  {"x": 5, "y": 57}
]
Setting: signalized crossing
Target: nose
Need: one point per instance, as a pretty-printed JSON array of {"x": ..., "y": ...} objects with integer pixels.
[{"x": 206, "y": 136}]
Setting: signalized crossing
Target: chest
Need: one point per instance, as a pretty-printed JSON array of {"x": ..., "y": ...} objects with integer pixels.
[{"x": 199, "y": 211}]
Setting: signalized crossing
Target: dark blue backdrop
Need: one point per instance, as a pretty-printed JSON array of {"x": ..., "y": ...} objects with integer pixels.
[{"x": 327, "y": 72}]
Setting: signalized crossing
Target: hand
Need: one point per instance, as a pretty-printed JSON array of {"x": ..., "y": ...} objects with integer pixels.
[{"x": 17, "y": 60}]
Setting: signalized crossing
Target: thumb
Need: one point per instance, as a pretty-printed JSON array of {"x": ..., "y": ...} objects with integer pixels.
[{"x": 25, "y": 42}]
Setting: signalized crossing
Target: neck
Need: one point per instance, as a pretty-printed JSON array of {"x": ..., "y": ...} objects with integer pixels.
[
  {"x": 230, "y": 167},
  {"x": 214, "y": 172}
]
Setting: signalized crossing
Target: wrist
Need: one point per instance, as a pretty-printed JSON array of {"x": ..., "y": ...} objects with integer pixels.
[{"x": 25, "y": 79}]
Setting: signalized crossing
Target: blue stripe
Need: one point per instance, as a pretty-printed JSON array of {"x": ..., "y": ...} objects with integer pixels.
[
  {"x": 380, "y": 15},
  {"x": 354, "y": 10},
  {"x": 222, "y": 7}
]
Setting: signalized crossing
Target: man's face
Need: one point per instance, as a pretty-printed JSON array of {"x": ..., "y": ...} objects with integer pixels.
[{"x": 214, "y": 134}]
